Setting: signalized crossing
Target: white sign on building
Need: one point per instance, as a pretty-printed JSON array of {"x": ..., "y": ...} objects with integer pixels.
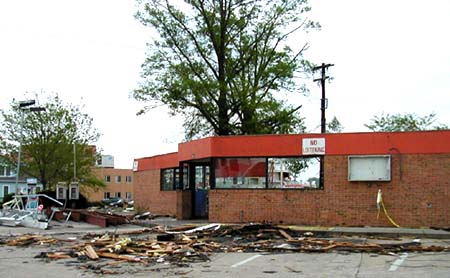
[
  {"x": 313, "y": 146},
  {"x": 61, "y": 191},
  {"x": 31, "y": 181},
  {"x": 74, "y": 191},
  {"x": 106, "y": 161}
]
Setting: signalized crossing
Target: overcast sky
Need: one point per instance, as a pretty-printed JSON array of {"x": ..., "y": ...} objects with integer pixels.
[{"x": 389, "y": 57}]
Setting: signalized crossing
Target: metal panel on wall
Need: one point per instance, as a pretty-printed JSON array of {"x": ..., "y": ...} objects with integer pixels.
[{"x": 369, "y": 168}]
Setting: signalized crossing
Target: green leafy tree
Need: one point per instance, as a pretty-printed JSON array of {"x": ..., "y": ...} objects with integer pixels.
[
  {"x": 225, "y": 65},
  {"x": 404, "y": 122},
  {"x": 53, "y": 142},
  {"x": 335, "y": 126}
]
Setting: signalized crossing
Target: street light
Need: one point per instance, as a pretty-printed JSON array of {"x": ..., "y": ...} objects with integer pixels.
[
  {"x": 24, "y": 106},
  {"x": 36, "y": 109},
  {"x": 25, "y": 103}
]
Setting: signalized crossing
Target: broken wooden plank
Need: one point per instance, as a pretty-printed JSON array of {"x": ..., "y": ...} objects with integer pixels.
[
  {"x": 90, "y": 252},
  {"x": 182, "y": 228},
  {"x": 58, "y": 256},
  {"x": 284, "y": 234},
  {"x": 118, "y": 257}
]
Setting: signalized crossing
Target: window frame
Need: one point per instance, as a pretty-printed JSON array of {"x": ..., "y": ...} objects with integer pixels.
[
  {"x": 128, "y": 179},
  {"x": 321, "y": 159},
  {"x": 5, "y": 186},
  {"x": 173, "y": 186},
  {"x": 128, "y": 195},
  {"x": 6, "y": 171},
  {"x": 118, "y": 179},
  {"x": 302, "y": 186},
  {"x": 107, "y": 178},
  {"x": 213, "y": 173}
]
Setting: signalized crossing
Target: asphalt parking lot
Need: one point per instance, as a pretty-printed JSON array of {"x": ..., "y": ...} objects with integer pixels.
[{"x": 21, "y": 261}]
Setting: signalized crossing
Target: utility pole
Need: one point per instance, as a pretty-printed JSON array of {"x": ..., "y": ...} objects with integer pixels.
[
  {"x": 323, "y": 106},
  {"x": 323, "y": 101},
  {"x": 22, "y": 107},
  {"x": 74, "y": 162}
]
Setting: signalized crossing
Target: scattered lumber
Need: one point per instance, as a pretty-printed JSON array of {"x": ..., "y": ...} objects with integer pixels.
[
  {"x": 90, "y": 252},
  {"x": 192, "y": 243},
  {"x": 26, "y": 240},
  {"x": 284, "y": 234}
]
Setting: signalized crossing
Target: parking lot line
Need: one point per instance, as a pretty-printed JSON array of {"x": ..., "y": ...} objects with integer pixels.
[
  {"x": 246, "y": 261},
  {"x": 398, "y": 262}
]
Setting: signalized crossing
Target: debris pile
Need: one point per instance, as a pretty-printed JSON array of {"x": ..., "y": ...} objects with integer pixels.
[
  {"x": 25, "y": 210},
  {"x": 101, "y": 219},
  {"x": 26, "y": 240},
  {"x": 187, "y": 244}
]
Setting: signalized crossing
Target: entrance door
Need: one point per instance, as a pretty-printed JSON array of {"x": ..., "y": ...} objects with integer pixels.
[{"x": 200, "y": 177}]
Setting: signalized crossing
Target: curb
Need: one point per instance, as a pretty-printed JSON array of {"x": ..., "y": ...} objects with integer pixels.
[{"x": 385, "y": 234}]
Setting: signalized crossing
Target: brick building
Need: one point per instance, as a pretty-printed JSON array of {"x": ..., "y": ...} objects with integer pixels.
[
  {"x": 119, "y": 182},
  {"x": 309, "y": 179}
]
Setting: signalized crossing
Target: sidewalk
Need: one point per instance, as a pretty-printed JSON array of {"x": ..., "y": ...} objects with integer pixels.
[
  {"x": 388, "y": 232},
  {"x": 81, "y": 227}
]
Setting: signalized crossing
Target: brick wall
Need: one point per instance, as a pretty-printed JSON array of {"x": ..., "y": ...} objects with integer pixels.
[
  {"x": 418, "y": 195},
  {"x": 148, "y": 195},
  {"x": 113, "y": 186},
  {"x": 184, "y": 204}
]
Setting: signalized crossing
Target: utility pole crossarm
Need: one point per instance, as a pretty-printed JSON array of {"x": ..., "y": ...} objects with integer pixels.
[{"x": 323, "y": 66}]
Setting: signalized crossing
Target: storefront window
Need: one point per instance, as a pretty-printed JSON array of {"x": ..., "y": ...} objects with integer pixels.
[
  {"x": 177, "y": 178},
  {"x": 185, "y": 176},
  {"x": 168, "y": 179},
  {"x": 297, "y": 172},
  {"x": 240, "y": 172}
]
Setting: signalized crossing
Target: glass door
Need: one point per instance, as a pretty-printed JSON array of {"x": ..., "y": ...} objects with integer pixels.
[{"x": 201, "y": 179}]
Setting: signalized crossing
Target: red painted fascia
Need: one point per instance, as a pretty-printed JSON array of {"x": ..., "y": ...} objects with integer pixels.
[
  {"x": 336, "y": 144},
  {"x": 169, "y": 160},
  {"x": 367, "y": 143}
]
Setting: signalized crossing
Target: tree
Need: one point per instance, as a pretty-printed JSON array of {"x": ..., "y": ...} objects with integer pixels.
[
  {"x": 404, "y": 122},
  {"x": 335, "y": 126},
  {"x": 52, "y": 141},
  {"x": 225, "y": 65}
]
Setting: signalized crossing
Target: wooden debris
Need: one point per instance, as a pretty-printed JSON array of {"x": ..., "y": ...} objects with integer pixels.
[
  {"x": 182, "y": 228},
  {"x": 284, "y": 234},
  {"x": 90, "y": 252},
  {"x": 196, "y": 246},
  {"x": 58, "y": 255},
  {"x": 30, "y": 239},
  {"x": 127, "y": 258}
]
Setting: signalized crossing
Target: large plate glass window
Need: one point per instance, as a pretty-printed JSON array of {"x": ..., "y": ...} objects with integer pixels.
[
  {"x": 293, "y": 172},
  {"x": 240, "y": 172}
]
